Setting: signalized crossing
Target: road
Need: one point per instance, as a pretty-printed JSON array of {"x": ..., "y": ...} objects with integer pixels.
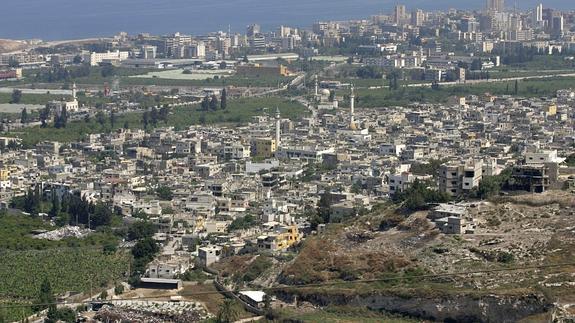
[{"x": 36, "y": 91}]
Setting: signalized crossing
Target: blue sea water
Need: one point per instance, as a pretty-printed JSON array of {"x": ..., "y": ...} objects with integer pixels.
[{"x": 72, "y": 19}]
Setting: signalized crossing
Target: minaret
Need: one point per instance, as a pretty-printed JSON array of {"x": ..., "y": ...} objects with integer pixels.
[
  {"x": 352, "y": 109},
  {"x": 74, "y": 91},
  {"x": 316, "y": 87},
  {"x": 278, "y": 128}
]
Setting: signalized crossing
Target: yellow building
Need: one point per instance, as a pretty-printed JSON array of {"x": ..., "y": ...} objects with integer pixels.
[
  {"x": 283, "y": 238},
  {"x": 4, "y": 174},
  {"x": 258, "y": 70},
  {"x": 263, "y": 147},
  {"x": 551, "y": 110}
]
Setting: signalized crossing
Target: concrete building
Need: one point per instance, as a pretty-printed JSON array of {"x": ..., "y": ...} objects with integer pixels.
[
  {"x": 461, "y": 177},
  {"x": 208, "y": 255},
  {"x": 96, "y": 59}
]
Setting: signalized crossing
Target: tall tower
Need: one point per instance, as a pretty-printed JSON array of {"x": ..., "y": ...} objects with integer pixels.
[
  {"x": 74, "y": 91},
  {"x": 316, "y": 87},
  {"x": 352, "y": 109},
  {"x": 278, "y": 128},
  {"x": 538, "y": 17}
]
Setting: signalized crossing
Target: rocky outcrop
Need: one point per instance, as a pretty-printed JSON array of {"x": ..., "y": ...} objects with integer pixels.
[{"x": 446, "y": 308}]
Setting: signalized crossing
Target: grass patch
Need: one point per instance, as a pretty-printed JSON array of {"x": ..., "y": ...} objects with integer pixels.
[{"x": 35, "y": 99}]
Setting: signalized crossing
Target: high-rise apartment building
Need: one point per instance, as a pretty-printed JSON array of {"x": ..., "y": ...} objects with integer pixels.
[
  {"x": 417, "y": 17},
  {"x": 399, "y": 14},
  {"x": 496, "y": 5}
]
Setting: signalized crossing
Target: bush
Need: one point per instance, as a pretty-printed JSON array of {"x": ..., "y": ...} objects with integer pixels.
[
  {"x": 418, "y": 196},
  {"x": 119, "y": 289},
  {"x": 246, "y": 222}
]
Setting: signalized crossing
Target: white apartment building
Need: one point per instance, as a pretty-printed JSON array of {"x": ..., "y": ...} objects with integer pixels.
[{"x": 96, "y": 58}]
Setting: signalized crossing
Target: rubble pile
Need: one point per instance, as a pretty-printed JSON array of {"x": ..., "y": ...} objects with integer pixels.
[
  {"x": 153, "y": 312},
  {"x": 64, "y": 232}
]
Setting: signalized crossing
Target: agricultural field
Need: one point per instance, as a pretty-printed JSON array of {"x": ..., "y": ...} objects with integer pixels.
[
  {"x": 69, "y": 265},
  {"x": 67, "y": 269}
]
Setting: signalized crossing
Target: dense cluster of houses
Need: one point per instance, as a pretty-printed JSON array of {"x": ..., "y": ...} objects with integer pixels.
[{"x": 277, "y": 170}]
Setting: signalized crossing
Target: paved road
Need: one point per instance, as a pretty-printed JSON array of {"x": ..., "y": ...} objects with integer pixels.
[{"x": 36, "y": 91}]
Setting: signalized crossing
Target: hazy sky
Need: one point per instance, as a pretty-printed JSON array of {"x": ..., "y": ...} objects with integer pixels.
[{"x": 66, "y": 19}]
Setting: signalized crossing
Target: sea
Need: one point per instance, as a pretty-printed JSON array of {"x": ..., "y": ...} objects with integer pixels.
[{"x": 77, "y": 19}]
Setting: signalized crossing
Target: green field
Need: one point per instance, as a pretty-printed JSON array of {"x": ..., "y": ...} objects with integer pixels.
[
  {"x": 238, "y": 111},
  {"x": 529, "y": 88},
  {"x": 69, "y": 265},
  {"x": 39, "y": 99}
]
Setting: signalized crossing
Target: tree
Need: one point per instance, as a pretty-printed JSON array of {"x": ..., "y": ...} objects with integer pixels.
[
  {"x": 223, "y": 65},
  {"x": 143, "y": 252},
  {"x": 44, "y": 115},
  {"x": 108, "y": 70},
  {"x": 165, "y": 193},
  {"x": 102, "y": 215},
  {"x": 77, "y": 59},
  {"x": 224, "y": 99},
  {"x": 24, "y": 116},
  {"x": 214, "y": 102},
  {"x": 56, "y": 206},
  {"x": 242, "y": 223},
  {"x": 61, "y": 120},
  {"x": 205, "y": 103},
  {"x": 119, "y": 289},
  {"x": 393, "y": 80},
  {"x": 154, "y": 115},
  {"x": 145, "y": 119},
  {"x": 64, "y": 314},
  {"x": 516, "y": 90},
  {"x": 141, "y": 230},
  {"x": 101, "y": 118},
  {"x": 45, "y": 295},
  {"x": 476, "y": 65},
  {"x": 228, "y": 312},
  {"x": 16, "y": 96},
  {"x": 164, "y": 112},
  {"x": 112, "y": 118},
  {"x": 126, "y": 125},
  {"x": 103, "y": 295}
]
